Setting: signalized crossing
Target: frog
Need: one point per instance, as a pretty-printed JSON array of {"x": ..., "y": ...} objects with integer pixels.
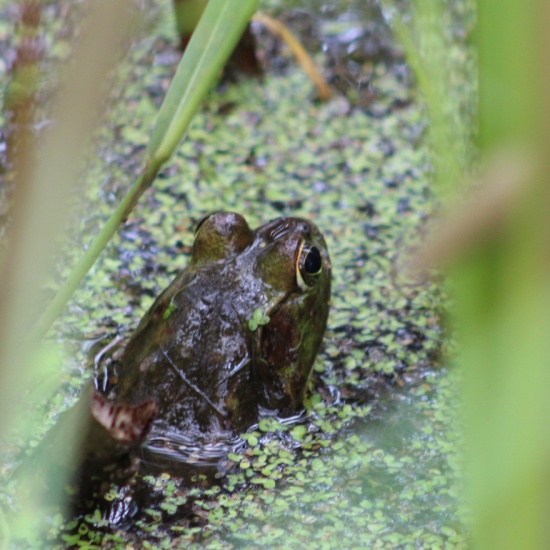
[
  {"x": 230, "y": 341},
  {"x": 236, "y": 333}
]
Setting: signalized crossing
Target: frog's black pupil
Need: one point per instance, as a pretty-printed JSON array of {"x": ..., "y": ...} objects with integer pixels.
[{"x": 313, "y": 261}]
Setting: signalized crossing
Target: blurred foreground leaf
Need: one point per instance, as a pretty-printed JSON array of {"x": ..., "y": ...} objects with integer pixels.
[
  {"x": 212, "y": 42},
  {"x": 45, "y": 180},
  {"x": 500, "y": 271},
  {"x": 40, "y": 211}
]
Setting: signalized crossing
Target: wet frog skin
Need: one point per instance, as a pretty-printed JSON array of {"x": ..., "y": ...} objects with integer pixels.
[{"x": 236, "y": 333}]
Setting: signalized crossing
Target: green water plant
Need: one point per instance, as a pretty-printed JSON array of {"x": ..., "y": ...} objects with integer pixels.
[
  {"x": 259, "y": 319},
  {"x": 44, "y": 182}
]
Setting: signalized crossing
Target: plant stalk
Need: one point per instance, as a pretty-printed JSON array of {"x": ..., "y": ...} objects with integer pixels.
[{"x": 212, "y": 42}]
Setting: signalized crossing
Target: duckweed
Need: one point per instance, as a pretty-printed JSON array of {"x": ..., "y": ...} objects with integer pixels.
[{"x": 375, "y": 463}]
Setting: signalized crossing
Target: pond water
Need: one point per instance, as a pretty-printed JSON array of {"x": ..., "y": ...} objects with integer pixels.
[{"x": 376, "y": 460}]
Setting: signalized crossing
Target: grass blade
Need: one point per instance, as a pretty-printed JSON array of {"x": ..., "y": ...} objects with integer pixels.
[
  {"x": 213, "y": 41},
  {"x": 215, "y": 37}
]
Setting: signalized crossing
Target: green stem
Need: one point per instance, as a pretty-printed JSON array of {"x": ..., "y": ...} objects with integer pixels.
[
  {"x": 78, "y": 273},
  {"x": 216, "y": 35}
]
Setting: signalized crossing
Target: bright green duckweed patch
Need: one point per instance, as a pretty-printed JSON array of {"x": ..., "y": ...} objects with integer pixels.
[{"x": 361, "y": 471}]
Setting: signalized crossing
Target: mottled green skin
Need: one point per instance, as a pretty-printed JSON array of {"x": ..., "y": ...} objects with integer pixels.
[{"x": 194, "y": 351}]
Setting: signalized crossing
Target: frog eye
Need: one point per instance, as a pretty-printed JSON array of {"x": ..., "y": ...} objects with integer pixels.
[
  {"x": 219, "y": 236},
  {"x": 309, "y": 265},
  {"x": 202, "y": 222}
]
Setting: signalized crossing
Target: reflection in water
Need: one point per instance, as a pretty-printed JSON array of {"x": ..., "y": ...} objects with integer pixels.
[
  {"x": 354, "y": 37},
  {"x": 171, "y": 450},
  {"x": 172, "y": 455}
]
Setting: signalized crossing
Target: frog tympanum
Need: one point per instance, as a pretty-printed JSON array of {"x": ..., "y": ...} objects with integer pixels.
[{"x": 236, "y": 332}]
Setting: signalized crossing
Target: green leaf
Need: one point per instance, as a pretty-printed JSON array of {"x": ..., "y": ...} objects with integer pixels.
[
  {"x": 168, "y": 311},
  {"x": 215, "y": 37},
  {"x": 258, "y": 319}
]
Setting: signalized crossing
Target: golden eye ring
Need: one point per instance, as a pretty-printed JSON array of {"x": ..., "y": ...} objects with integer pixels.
[{"x": 309, "y": 265}]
